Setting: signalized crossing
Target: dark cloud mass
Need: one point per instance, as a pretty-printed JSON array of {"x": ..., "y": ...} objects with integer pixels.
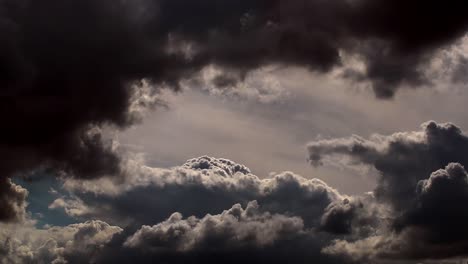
[
  {"x": 68, "y": 66},
  {"x": 277, "y": 219},
  {"x": 445, "y": 195},
  {"x": 425, "y": 190},
  {"x": 211, "y": 185},
  {"x": 403, "y": 159},
  {"x": 283, "y": 218},
  {"x": 432, "y": 226}
]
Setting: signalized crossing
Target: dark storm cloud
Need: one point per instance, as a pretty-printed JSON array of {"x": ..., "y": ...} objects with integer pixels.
[
  {"x": 439, "y": 212},
  {"x": 426, "y": 215},
  {"x": 432, "y": 226},
  {"x": 403, "y": 159},
  {"x": 66, "y": 66}
]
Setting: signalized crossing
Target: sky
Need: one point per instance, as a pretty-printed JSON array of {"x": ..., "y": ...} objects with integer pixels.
[{"x": 233, "y": 131}]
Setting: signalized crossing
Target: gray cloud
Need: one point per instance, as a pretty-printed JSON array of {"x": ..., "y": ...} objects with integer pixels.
[
  {"x": 432, "y": 227},
  {"x": 12, "y": 201},
  {"x": 354, "y": 216},
  {"x": 426, "y": 218},
  {"x": 236, "y": 227},
  {"x": 236, "y": 235},
  {"x": 439, "y": 214},
  {"x": 402, "y": 159},
  {"x": 77, "y": 243},
  {"x": 297, "y": 220},
  {"x": 211, "y": 185}
]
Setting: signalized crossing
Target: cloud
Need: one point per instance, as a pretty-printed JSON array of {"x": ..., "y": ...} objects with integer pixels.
[
  {"x": 12, "y": 201},
  {"x": 258, "y": 86},
  {"x": 246, "y": 235},
  {"x": 431, "y": 227},
  {"x": 402, "y": 159},
  {"x": 236, "y": 227},
  {"x": 75, "y": 243},
  {"x": 73, "y": 207},
  {"x": 416, "y": 214},
  {"x": 211, "y": 185},
  {"x": 354, "y": 216},
  {"x": 439, "y": 214},
  {"x": 294, "y": 216},
  {"x": 289, "y": 218}
]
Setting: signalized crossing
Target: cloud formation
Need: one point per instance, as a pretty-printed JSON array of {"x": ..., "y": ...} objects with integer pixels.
[
  {"x": 211, "y": 184},
  {"x": 402, "y": 159},
  {"x": 431, "y": 227},
  {"x": 236, "y": 235},
  {"x": 12, "y": 201},
  {"x": 236, "y": 227},
  {"x": 281, "y": 218},
  {"x": 420, "y": 215},
  {"x": 77, "y": 243}
]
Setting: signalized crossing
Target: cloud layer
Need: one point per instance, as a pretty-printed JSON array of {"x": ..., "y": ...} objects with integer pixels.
[{"x": 235, "y": 215}]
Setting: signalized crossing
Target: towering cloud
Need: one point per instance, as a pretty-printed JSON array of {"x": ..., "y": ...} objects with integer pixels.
[
  {"x": 422, "y": 178},
  {"x": 431, "y": 227},
  {"x": 403, "y": 159}
]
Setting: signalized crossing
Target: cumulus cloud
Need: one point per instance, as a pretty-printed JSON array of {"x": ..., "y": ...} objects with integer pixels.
[
  {"x": 419, "y": 211},
  {"x": 354, "y": 216},
  {"x": 294, "y": 216},
  {"x": 249, "y": 235},
  {"x": 211, "y": 185},
  {"x": 77, "y": 243},
  {"x": 12, "y": 201},
  {"x": 431, "y": 227},
  {"x": 402, "y": 159},
  {"x": 291, "y": 215},
  {"x": 236, "y": 227},
  {"x": 439, "y": 212}
]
